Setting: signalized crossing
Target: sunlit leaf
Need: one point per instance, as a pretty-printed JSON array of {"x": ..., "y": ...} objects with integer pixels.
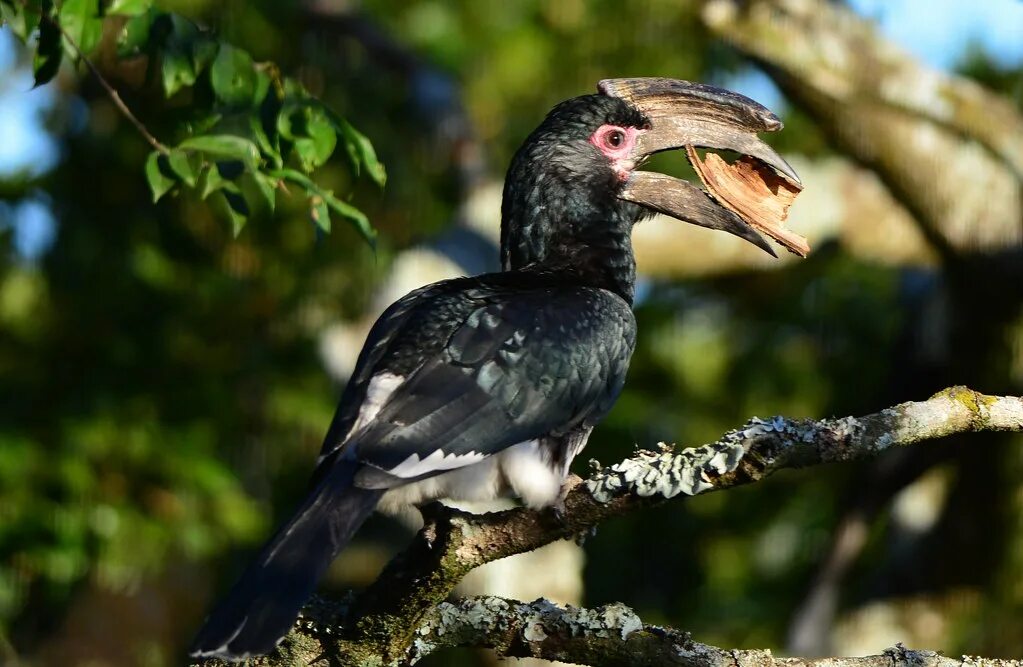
[
  {"x": 359, "y": 150},
  {"x": 82, "y": 23},
  {"x": 160, "y": 182},
  {"x": 22, "y": 23},
  {"x": 224, "y": 146},
  {"x": 134, "y": 35},
  {"x": 353, "y": 215},
  {"x": 295, "y": 177},
  {"x": 291, "y": 122},
  {"x": 311, "y": 132},
  {"x": 315, "y": 150},
  {"x": 233, "y": 77},
  {"x": 209, "y": 181},
  {"x": 129, "y": 7},
  {"x": 183, "y": 166}
]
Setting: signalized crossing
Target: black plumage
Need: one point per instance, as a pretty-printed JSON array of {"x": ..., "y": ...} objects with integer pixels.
[{"x": 474, "y": 387}]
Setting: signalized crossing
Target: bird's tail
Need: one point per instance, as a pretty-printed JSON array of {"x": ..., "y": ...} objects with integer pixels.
[{"x": 265, "y": 602}]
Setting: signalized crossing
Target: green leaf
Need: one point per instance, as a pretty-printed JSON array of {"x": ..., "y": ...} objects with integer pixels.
[
  {"x": 134, "y": 35},
  {"x": 319, "y": 213},
  {"x": 46, "y": 61},
  {"x": 204, "y": 51},
  {"x": 356, "y": 217},
  {"x": 82, "y": 22},
  {"x": 233, "y": 77},
  {"x": 129, "y": 7},
  {"x": 263, "y": 140},
  {"x": 359, "y": 150},
  {"x": 296, "y": 177},
  {"x": 176, "y": 71},
  {"x": 317, "y": 149},
  {"x": 22, "y": 23},
  {"x": 160, "y": 182},
  {"x": 179, "y": 64},
  {"x": 290, "y": 117},
  {"x": 202, "y": 124},
  {"x": 183, "y": 166},
  {"x": 237, "y": 208},
  {"x": 225, "y": 146},
  {"x": 353, "y": 215},
  {"x": 267, "y": 187},
  {"x": 312, "y": 133},
  {"x": 210, "y": 181}
]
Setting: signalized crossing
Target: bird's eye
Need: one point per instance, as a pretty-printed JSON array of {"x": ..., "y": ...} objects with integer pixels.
[{"x": 614, "y": 138}]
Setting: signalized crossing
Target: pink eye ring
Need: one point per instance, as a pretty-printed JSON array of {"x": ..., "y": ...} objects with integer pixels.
[
  {"x": 614, "y": 138},
  {"x": 614, "y": 141}
]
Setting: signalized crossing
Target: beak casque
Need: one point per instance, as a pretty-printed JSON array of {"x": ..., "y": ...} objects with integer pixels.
[{"x": 685, "y": 114}]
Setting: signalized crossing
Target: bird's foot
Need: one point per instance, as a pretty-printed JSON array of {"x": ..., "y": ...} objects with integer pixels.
[{"x": 558, "y": 507}]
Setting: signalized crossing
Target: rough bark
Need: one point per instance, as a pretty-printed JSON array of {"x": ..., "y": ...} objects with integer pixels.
[{"x": 404, "y": 615}]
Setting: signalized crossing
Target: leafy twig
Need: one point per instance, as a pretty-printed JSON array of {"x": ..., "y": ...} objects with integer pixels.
[{"x": 112, "y": 93}]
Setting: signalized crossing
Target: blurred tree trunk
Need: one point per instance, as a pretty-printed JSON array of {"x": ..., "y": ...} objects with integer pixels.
[
  {"x": 950, "y": 150},
  {"x": 951, "y": 153}
]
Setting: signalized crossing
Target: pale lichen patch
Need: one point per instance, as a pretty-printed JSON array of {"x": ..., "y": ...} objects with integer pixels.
[{"x": 666, "y": 473}]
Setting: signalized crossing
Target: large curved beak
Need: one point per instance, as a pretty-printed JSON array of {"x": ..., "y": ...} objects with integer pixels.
[{"x": 686, "y": 114}]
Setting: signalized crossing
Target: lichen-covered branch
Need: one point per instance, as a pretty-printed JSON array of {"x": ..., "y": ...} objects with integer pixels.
[
  {"x": 614, "y": 635},
  {"x": 609, "y": 636},
  {"x": 386, "y": 624}
]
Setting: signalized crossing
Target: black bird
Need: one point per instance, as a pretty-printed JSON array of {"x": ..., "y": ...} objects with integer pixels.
[{"x": 478, "y": 387}]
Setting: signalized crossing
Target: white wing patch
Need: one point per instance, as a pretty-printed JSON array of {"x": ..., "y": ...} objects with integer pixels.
[
  {"x": 378, "y": 391},
  {"x": 522, "y": 470},
  {"x": 414, "y": 466}
]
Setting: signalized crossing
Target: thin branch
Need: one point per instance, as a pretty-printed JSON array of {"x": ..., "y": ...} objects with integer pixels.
[{"x": 112, "y": 93}]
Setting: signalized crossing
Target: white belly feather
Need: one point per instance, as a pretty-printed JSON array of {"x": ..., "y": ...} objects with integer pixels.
[{"x": 521, "y": 471}]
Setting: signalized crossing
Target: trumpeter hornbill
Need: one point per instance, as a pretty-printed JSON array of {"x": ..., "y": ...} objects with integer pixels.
[{"x": 477, "y": 387}]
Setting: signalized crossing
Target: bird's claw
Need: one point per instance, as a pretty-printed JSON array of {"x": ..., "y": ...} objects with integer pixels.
[{"x": 558, "y": 507}]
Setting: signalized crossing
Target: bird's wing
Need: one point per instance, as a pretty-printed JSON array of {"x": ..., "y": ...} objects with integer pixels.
[
  {"x": 388, "y": 326},
  {"x": 470, "y": 372}
]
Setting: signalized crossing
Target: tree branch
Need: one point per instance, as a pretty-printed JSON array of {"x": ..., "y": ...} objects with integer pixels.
[
  {"x": 110, "y": 90},
  {"x": 614, "y": 635},
  {"x": 113, "y": 95},
  {"x": 924, "y": 132},
  {"x": 391, "y": 621}
]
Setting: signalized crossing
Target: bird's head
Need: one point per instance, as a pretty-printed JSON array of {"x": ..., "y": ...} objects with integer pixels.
[{"x": 579, "y": 169}]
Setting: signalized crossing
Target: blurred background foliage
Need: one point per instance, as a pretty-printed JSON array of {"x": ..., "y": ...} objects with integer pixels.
[{"x": 166, "y": 385}]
